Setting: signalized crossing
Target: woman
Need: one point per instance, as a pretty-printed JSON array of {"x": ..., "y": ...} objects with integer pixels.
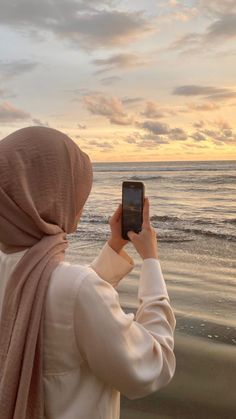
[{"x": 67, "y": 349}]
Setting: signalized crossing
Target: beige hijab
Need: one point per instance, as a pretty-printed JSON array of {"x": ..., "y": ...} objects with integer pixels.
[{"x": 45, "y": 179}]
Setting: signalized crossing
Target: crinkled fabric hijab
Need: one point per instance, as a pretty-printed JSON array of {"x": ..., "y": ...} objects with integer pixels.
[{"x": 45, "y": 180}]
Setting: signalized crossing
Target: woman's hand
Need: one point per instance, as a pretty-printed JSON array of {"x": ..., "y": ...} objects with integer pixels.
[
  {"x": 145, "y": 242},
  {"x": 116, "y": 241}
]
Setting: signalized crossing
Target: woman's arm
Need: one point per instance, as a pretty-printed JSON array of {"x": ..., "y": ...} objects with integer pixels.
[
  {"x": 112, "y": 266},
  {"x": 113, "y": 263},
  {"x": 135, "y": 356}
]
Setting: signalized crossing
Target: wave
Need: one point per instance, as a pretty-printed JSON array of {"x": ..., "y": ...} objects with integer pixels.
[
  {"x": 174, "y": 223},
  {"x": 174, "y": 219},
  {"x": 189, "y": 234},
  {"x": 94, "y": 219},
  {"x": 145, "y": 177},
  {"x": 164, "y": 218},
  {"x": 230, "y": 221},
  {"x": 209, "y": 233},
  {"x": 170, "y": 239},
  {"x": 200, "y": 183},
  {"x": 170, "y": 228},
  {"x": 150, "y": 167},
  {"x": 219, "y": 179},
  {"x": 201, "y": 221}
]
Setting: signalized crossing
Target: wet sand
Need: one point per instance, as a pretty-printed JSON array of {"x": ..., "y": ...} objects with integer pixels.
[
  {"x": 201, "y": 281},
  {"x": 203, "y": 387}
]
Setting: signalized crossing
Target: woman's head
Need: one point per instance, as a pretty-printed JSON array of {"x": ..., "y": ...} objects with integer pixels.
[{"x": 45, "y": 180}]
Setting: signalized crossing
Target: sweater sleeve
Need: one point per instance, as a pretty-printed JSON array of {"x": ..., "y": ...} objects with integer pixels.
[
  {"x": 135, "y": 356},
  {"x": 112, "y": 266}
]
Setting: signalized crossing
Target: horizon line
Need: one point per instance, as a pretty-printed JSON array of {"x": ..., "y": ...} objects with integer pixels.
[{"x": 166, "y": 161}]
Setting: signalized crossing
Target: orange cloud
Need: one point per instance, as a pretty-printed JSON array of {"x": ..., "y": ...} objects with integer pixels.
[{"x": 9, "y": 113}]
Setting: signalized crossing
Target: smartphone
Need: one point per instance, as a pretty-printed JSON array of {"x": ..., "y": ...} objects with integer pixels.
[{"x": 132, "y": 207}]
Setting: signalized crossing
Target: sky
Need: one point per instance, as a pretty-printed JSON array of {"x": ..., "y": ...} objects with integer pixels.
[{"x": 144, "y": 80}]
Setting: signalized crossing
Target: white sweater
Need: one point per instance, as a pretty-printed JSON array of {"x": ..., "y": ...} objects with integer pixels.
[{"x": 93, "y": 351}]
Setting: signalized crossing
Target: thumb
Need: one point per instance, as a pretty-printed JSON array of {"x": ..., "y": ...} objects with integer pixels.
[{"x": 131, "y": 235}]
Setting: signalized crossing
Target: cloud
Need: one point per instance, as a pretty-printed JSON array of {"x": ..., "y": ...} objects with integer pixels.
[
  {"x": 105, "y": 28},
  {"x": 220, "y": 30},
  {"x": 133, "y": 138},
  {"x": 158, "y": 128},
  {"x": 10, "y": 69},
  {"x": 196, "y": 145},
  {"x": 195, "y": 90},
  {"x": 147, "y": 141},
  {"x": 223, "y": 28},
  {"x": 105, "y": 145},
  {"x": 106, "y": 81},
  {"x": 187, "y": 44},
  {"x": 38, "y": 122},
  {"x": 219, "y": 132},
  {"x": 186, "y": 41},
  {"x": 154, "y": 127},
  {"x": 222, "y": 124},
  {"x": 161, "y": 133},
  {"x": 154, "y": 110},
  {"x": 152, "y": 141},
  {"x": 227, "y": 95},
  {"x": 121, "y": 61},
  {"x": 8, "y": 113},
  {"x": 209, "y": 92},
  {"x": 205, "y": 107},
  {"x": 81, "y": 126},
  {"x": 176, "y": 11},
  {"x": 178, "y": 134},
  {"x": 87, "y": 24},
  {"x": 111, "y": 108},
  {"x": 198, "y": 124},
  {"x": 35, "y": 13},
  {"x": 131, "y": 100},
  {"x": 221, "y": 136},
  {"x": 85, "y": 91},
  {"x": 217, "y": 7},
  {"x": 198, "y": 136}
]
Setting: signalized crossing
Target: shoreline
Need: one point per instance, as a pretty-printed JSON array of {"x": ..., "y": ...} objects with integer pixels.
[
  {"x": 203, "y": 385},
  {"x": 196, "y": 327}
]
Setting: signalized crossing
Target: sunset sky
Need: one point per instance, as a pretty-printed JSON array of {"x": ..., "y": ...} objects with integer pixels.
[{"x": 144, "y": 80}]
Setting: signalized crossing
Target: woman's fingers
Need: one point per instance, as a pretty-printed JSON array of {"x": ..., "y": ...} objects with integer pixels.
[
  {"x": 146, "y": 217},
  {"x": 116, "y": 216}
]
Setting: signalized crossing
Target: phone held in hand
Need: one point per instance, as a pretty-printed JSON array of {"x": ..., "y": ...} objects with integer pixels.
[{"x": 132, "y": 207}]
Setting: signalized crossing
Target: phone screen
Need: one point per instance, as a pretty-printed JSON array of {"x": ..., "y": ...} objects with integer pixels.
[{"x": 132, "y": 207}]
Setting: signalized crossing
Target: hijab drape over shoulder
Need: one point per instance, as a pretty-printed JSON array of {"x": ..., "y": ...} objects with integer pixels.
[{"x": 45, "y": 180}]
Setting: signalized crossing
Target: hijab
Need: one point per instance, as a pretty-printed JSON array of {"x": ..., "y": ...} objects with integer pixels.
[{"x": 45, "y": 180}]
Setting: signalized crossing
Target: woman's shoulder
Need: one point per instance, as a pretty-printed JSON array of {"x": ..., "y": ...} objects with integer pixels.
[
  {"x": 65, "y": 279},
  {"x": 71, "y": 269}
]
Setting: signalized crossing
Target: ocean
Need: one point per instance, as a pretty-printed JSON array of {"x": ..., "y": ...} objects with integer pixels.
[
  {"x": 193, "y": 209},
  {"x": 187, "y": 198}
]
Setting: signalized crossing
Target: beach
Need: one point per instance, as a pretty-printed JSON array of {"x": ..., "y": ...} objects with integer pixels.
[
  {"x": 197, "y": 248},
  {"x": 203, "y": 385},
  {"x": 205, "y": 337}
]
